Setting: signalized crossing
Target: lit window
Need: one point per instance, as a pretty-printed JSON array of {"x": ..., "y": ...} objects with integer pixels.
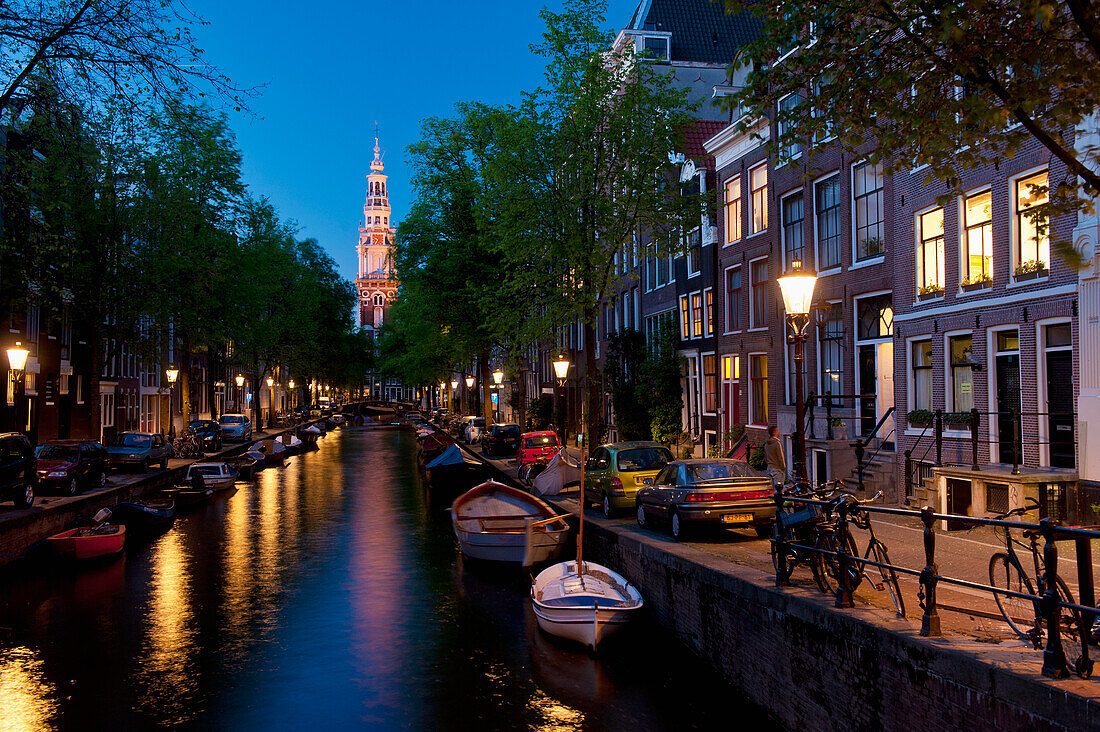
[
  {"x": 960, "y": 350},
  {"x": 930, "y": 259},
  {"x": 696, "y": 315},
  {"x": 708, "y": 305},
  {"x": 733, "y": 210},
  {"x": 978, "y": 216},
  {"x": 1032, "y": 229},
  {"x": 758, "y": 186},
  {"x": 685, "y": 317}
]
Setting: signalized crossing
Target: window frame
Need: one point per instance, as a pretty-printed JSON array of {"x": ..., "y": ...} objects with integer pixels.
[
  {"x": 734, "y": 305},
  {"x": 965, "y": 229},
  {"x": 1016, "y": 232},
  {"x": 921, "y": 242},
  {"x": 758, "y": 200},
  {"x": 754, "y": 317},
  {"x": 753, "y": 381},
  {"x": 798, "y": 225},
  {"x": 881, "y": 223},
  {"x": 950, "y": 402},
  {"x": 835, "y": 175},
  {"x": 733, "y": 210}
]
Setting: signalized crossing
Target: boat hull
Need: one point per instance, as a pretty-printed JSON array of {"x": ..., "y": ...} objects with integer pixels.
[
  {"x": 586, "y": 609},
  {"x": 146, "y": 515},
  {"x": 511, "y": 548},
  {"x": 71, "y": 545}
]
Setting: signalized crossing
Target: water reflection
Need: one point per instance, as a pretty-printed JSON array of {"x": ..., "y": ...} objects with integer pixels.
[{"x": 27, "y": 700}]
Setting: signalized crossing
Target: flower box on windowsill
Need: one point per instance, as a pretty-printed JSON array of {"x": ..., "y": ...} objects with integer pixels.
[
  {"x": 975, "y": 286},
  {"x": 930, "y": 295},
  {"x": 1031, "y": 275}
]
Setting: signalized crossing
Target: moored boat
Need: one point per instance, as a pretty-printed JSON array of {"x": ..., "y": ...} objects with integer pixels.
[
  {"x": 273, "y": 450},
  {"x": 292, "y": 443},
  {"x": 248, "y": 464},
  {"x": 188, "y": 497},
  {"x": 89, "y": 542},
  {"x": 218, "y": 475},
  {"x": 585, "y": 606},
  {"x": 453, "y": 470},
  {"x": 500, "y": 523},
  {"x": 147, "y": 513}
]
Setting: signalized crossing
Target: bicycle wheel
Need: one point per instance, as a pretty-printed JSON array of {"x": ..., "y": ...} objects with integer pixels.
[
  {"x": 889, "y": 576},
  {"x": 1006, "y": 574},
  {"x": 781, "y": 563},
  {"x": 1070, "y": 626},
  {"x": 832, "y": 543}
]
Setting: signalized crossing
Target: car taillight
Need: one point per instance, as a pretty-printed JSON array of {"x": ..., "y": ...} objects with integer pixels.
[
  {"x": 616, "y": 485},
  {"x": 727, "y": 496}
]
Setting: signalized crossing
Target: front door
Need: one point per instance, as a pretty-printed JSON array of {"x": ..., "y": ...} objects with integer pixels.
[
  {"x": 868, "y": 386},
  {"x": 1008, "y": 401},
  {"x": 1060, "y": 408},
  {"x": 958, "y": 502},
  {"x": 731, "y": 394}
]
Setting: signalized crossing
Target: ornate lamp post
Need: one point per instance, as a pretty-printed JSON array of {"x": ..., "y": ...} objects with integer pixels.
[
  {"x": 498, "y": 378},
  {"x": 290, "y": 386},
  {"x": 469, "y": 397},
  {"x": 171, "y": 373},
  {"x": 561, "y": 371},
  {"x": 240, "y": 391},
  {"x": 17, "y": 362},
  {"x": 454, "y": 388},
  {"x": 270, "y": 402},
  {"x": 797, "y": 287}
]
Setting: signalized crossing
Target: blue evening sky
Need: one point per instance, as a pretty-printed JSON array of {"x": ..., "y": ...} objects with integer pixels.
[{"x": 333, "y": 68}]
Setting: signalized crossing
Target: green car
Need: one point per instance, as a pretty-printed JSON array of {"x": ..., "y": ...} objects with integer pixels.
[{"x": 613, "y": 473}]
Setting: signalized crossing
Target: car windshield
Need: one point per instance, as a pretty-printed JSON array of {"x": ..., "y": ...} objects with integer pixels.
[
  {"x": 201, "y": 426},
  {"x": 232, "y": 420},
  {"x": 511, "y": 430},
  {"x": 58, "y": 452},
  {"x": 643, "y": 458},
  {"x": 478, "y": 422},
  {"x": 717, "y": 471},
  {"x": 133, "y": 440},
  {"x": 541, "y": 441},
  {"x": 206, "y": 470}
]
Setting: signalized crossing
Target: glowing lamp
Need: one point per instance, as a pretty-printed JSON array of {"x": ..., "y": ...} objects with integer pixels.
[
  {"x": 797, "y": 287},
  {"x": 17, "y": 357},
  {"x": 172, "y": 374}
]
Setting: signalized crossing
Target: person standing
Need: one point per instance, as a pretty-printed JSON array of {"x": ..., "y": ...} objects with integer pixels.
[{"x": 774, "y": 457}]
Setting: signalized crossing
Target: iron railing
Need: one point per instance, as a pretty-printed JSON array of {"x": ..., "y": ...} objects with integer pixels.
[{"x": 929, "y": 577}]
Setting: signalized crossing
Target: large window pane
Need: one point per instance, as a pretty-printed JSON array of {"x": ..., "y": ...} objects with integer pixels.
[
  {"x": 733, "y": 209},
  {"x": 758, "y": 184},
  {"x": 733, "y": 299},
  {"x": 758, "y": 316},
  {"x": 1031, "y": 222},
  {"x": 827, "y": 210},
  {"x": 930, "y": 260},
  {"x": 868, "y": 204},
  {"x": 793, "y": 218},
  {"x": 922, "y": 374},
  {"x": 758, "y": 375},
  {"x": 978, "y": 217},
  {"x": 962, "y": 375}
]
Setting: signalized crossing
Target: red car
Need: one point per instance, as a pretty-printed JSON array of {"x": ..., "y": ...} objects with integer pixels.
[
  {"x": 67, "y": 465},
  {"x": 536, "y": 447}
]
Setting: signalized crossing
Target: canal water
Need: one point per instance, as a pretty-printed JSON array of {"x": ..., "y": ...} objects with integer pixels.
[{"x": 327, "y": 595}]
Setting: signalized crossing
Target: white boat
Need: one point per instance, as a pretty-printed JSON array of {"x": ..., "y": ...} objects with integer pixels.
[
  {"x": 274, "y": 451},
  {"x": 217, "y": 475},
  {"x": 585, "y": 606},
  {"x": 291, "y": 442},
  {"x": 559, "y": 472},
  {"x": 500, "y": 523}
]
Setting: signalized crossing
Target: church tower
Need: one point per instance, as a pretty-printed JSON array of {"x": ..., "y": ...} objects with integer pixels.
[{"x": 376, "y": 283}]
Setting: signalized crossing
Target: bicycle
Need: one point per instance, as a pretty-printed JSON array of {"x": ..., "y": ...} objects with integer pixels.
[
  {"x": 797, "y": 525},
  {"x": 1006, "y": 572},
  {"x": 186, "y": 446},
  {"x": 877, "y": 552}
]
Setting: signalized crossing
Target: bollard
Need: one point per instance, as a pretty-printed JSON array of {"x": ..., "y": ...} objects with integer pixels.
[
  {"x": 1088, "y": 599},
  {"x": 930, "y": 621},
  {"x": 843, "y": 582},
  {"x": 779, "y": 545},
  {"x": 1054, "y": 656},
  {"x": 1015, "y": 441}
]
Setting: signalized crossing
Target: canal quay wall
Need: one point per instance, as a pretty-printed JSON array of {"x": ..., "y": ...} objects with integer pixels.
[
  {"x": 814, "y": 666},
  {"x": 22, "y": 532}
]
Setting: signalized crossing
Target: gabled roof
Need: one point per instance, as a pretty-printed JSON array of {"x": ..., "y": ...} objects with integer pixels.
[
  {"x": 701, "y": 30},
  {"x": 695, "y": 135}
]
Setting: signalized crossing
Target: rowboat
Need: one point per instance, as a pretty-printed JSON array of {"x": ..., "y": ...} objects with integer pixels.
[
  {"x": 217, "y": 475},
  {"x": 90, "y": 542},
  {"x": 148, "y": 513},
  {"x": 500, "y": 523},
  {"x": 291, "y": 443},
  {"x": 187, "y": 497},
  {"x": 248, "y": 464},
  {"x": 585, "y": 606},
  {"x": 273, "y": 450}
]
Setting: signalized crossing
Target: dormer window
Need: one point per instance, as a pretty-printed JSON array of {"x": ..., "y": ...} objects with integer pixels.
[{"x": 655, "y": 48}]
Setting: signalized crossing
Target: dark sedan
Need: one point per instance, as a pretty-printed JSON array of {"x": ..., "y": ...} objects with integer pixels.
[
  {"x": 500, "y": 439},
  {"x": 68, "y": 465},
  {"x": 210, "y": 432},
  {"x": 708, "y": 492}
]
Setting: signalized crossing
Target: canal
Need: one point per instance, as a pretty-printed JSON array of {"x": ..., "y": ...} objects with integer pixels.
[{"x": 327, "y": 594}]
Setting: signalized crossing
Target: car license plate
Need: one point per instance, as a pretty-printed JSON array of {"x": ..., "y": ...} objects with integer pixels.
[
  {"x": 737, "y": 518},
  {"x": 643, "y": 481}
]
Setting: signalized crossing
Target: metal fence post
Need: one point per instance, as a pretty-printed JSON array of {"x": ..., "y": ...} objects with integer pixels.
[
  {"x": 810, "y": 414},
  {"x": 939, "y": 437},
  {"x": 779, "y": 545},
  {"x": 829, "y": 414},
  {"x": 908, "y": 473},
  {"x": 930, "y": 621},
  {"x": 1054, "y": 656},
  {"x": 975, "y": 416},
  {"x": 859, "y": 463},
  {"x": 844, "y": 585},
  {"x": 1015, "y": 441},
  {"x": 1087, "y": 597}
]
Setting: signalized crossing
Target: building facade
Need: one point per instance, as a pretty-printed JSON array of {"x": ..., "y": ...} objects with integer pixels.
[{"x": 376, "y": 281}]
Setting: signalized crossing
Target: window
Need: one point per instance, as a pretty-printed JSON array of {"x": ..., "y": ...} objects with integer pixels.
[
  {"x": 733, "y": 210},
  {"x": 710, "y": 384},
  {"x": 708, "y": 306},
  {"x": 733, "y": 299},
  {"x": 685, "y": 318},
  {"x": 830, "y": 350},
  {"x": 827, "y": 129},
  {"x": 875, "y": 317},
  {"x": 930, "y": 279},
  {"x": 696, "y": 314},
  {"x": 694, "y": 252},
  {"x": 791, "y": 148},
  {"x": 793, "y": 217},
  {"x": 758, "y": 312},
  {"x": 978, "y": 248},
  {"x": 731, "y": 368},
  {"x": 1032, "y": 231},
  {"x": 758, "y": 391},
  {"x": 960, "y": 349},
  {"x": 921, "y": 358},
  {"x": 655, "y": 48},
  {"x": 827, "y": 213},
  {"x": 758, "y": 188},
  {"x": 868, "y": 206}
]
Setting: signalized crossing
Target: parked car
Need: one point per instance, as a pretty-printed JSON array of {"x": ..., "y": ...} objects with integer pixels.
[
  {"x": 236, "y": 427},
  {"x": 471, "y": 428},
  {"x": 536, "y": 447},
  {"x": 614, "y": 473},
  {"x": 69, "y": 465},
  {"x": 708, "y": 492},
  {"x": 210, "y": 432},
  {"x": 500, "y": 439},
  {"x": 18, "y": 474},
  {"x": 314, "y": 412},
  {"x": 139, "y": 450}
]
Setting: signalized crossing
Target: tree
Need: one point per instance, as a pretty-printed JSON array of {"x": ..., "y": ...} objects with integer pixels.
[
  {"x": 626, "y": 353},
  {"x": 948, "y": 85},
  {"x": 659, "y": 387},
  {"x": 135, "y": 51}
]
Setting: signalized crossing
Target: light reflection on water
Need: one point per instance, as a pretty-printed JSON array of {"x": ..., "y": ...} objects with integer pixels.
[{"x": 328, "y": 593}]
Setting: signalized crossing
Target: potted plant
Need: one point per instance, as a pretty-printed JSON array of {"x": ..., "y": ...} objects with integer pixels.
[
  {"x": 1030, "y": 270},
  {"x": 922, "y": 417},
  {"x": 978, "y": 282},
  {"x": 930, "y": 291},
  {"x": 957, "y": 420},
  {"x": 870, "y": 247},
  {"x": 840, "y": 429}
]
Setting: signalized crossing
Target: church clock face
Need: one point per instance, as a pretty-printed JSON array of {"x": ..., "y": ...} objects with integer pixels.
[{"x": 378, "y": 240}]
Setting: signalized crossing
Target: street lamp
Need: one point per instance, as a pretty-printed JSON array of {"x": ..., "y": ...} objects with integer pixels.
[
  {"x": 290, "y": 386},
  {"x": 454, "y": 388},
  {"x": 498, "y": 377},
  {"x": 17, "y": 362},
  {"x": 561, "y": 371},
  {"x": 270, "y": 402},
  {"x": 240, "y": 393},
  {"x": 172, "y": 373},
  {"x": 797, "y": 287}
]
